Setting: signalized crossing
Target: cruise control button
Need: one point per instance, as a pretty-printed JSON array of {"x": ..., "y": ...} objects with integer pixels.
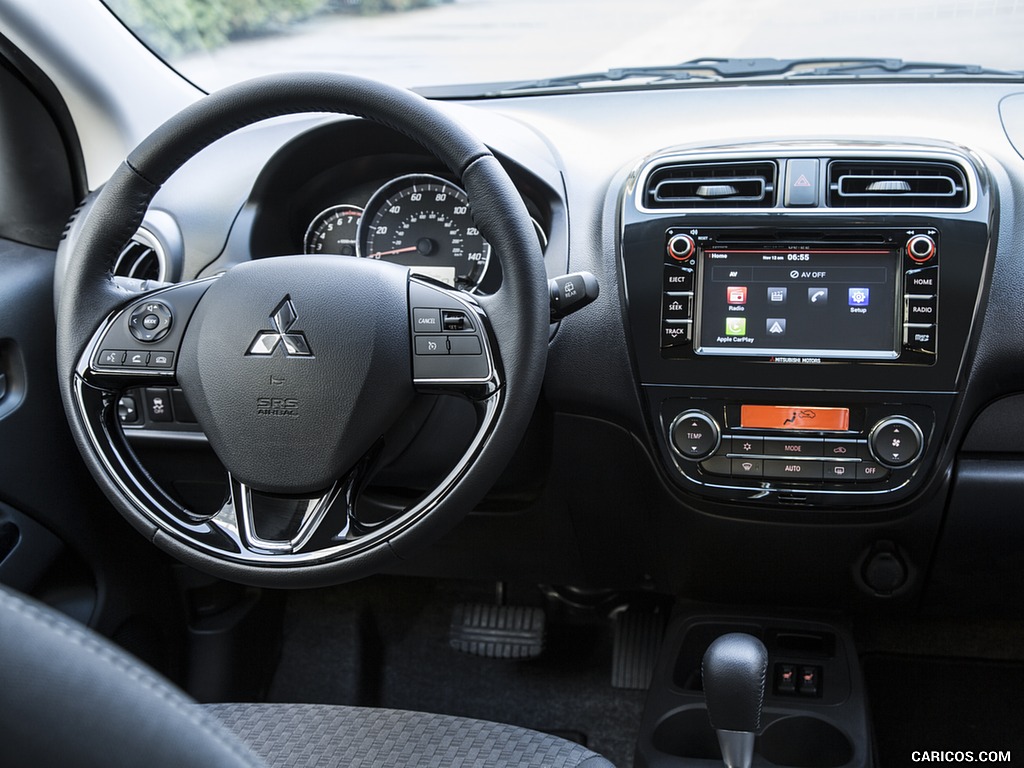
[
  {"x": 464, "y": 345},
  {"x": 426, "y": 320},
  {"x": 775, "y": 446},
  {"x": 781, "y": 469},
  {"x": 431, "y": 345}
]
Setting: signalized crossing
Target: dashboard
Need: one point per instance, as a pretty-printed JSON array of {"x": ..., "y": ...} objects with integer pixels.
[{"x": 800, "y": 320}]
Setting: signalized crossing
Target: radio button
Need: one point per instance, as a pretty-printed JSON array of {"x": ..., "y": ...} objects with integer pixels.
[
  {"x": 920, "y": 338},
  {"x": 795, "y": 448},
  {"x": 676, "y": 334},
  {"x": 783, "y": 469},
  {"x": 747, "y": 446},
  {"x": 747, "y": 468},
  {"x": 840, "y": 471},
  {"x": 840, "y": 449},
  {"x": 678, "y": 279},
  {"x": 921, "y": 310},
  {"x": 869, "y": 471},
  {"x": 676, "y": 306},
  {"x": 922, "y": 282}
]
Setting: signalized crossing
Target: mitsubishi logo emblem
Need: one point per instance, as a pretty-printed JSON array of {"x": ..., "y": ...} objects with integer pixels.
[{"x": 281, "y": 320}]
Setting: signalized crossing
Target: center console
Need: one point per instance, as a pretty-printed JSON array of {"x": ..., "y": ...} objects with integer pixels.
[{"x": 800, "y": 315}]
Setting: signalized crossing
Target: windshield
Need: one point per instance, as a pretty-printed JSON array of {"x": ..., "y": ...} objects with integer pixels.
[{"x": 417, "y": 43}]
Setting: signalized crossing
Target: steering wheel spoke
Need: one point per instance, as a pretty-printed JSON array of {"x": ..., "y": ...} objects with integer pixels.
[
  {"x": 271, "y": 525},
  {"x": 453, "y": 349}
]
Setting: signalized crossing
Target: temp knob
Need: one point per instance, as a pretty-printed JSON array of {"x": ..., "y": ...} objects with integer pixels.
[
  {"x": 921, "y": 248},
  {"x": 681, "y": 247},
  {"x": 694, "y": 435},
  {"x": 896, "y": 442}
]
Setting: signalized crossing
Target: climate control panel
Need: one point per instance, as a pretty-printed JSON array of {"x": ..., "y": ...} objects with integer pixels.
[{"x": 792, "y": 453}]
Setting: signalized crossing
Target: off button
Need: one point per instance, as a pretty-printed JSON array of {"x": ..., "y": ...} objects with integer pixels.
[{"x": 694, "y": 435}]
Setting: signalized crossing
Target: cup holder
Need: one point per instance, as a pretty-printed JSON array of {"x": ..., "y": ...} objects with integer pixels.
[{"x": 792, "y": 741}]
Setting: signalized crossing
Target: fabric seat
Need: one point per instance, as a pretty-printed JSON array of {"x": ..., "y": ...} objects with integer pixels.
[{"x": 69, "y": 697}]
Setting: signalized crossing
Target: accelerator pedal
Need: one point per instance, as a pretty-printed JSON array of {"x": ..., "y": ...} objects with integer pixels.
[
  {"x": 635, "y": 644},
  {"x": 497, "y": 631}
]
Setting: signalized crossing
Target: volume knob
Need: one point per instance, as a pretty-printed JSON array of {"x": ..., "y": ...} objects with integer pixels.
[
  {"x": 896, "y": 442},
  {"x": 694, "y": 435},
  {"x": 681, "y": 247}
]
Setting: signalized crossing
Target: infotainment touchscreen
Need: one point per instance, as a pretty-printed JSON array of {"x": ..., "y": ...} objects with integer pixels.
[{"x": 816, "y": 302}]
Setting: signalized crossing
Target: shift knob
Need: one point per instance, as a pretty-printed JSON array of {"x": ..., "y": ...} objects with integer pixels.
[{"x": 734, "y": 670}]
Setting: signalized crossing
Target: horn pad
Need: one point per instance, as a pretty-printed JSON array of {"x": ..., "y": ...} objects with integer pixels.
[{"x": 295, "y": 366}]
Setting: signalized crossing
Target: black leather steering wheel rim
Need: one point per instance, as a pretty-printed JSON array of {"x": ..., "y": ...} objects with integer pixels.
[{"x": 518, "y": 312}]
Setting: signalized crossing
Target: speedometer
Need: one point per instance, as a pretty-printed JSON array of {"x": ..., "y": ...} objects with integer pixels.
[{"x": 423, "y": 222}]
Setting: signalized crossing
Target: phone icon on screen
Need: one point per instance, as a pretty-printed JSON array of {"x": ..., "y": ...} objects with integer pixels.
[{"x": 817, "y": 296}]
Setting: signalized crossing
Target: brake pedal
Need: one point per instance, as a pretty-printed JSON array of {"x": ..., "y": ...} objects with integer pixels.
[{"x": 497, "y": 631}]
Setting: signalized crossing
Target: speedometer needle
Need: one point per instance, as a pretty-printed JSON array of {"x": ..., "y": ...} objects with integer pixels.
[{"x": 378, "y": 254}]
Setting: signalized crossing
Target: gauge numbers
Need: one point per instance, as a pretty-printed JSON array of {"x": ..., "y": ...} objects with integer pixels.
[
  {"x": 424, "y": 222},
  {"x": 334, "y": 231}
]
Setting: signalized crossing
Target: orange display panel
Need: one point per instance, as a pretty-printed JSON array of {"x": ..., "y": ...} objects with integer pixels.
[{"x": 794, "y": 417}]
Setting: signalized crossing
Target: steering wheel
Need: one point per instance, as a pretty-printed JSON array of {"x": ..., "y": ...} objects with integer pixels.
[{"x": 297, "y": 366}]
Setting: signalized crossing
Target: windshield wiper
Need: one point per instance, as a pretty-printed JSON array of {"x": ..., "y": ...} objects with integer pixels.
[
  {"x": 713, "y": 69},
  {"x": 854, "y": 67}
]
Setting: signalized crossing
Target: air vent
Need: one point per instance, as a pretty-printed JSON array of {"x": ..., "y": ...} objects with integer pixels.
[
  {"x": 711, "y": 185},
  {"x": 142, "y": 258},
  {"x": 895, "y": 184}
]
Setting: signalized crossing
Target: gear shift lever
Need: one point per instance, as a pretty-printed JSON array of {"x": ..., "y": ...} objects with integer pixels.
[{"x": 734, "y": 670}]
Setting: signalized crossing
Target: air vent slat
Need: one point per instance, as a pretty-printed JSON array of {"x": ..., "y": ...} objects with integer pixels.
[
  {"x": 141, "y": 259},
  {"x": 711, "y": 185},
  {"x": 896, "y": 184}
]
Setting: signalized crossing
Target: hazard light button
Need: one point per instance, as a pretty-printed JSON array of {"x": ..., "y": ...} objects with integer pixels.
[{"x": 801, "y": 182}]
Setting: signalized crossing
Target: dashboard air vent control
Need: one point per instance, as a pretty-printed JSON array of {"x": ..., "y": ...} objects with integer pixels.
[
  {"x": 896, "y": 184},
  {"x": 142, "y": 258},
  {"x": 711, "y": 185}
]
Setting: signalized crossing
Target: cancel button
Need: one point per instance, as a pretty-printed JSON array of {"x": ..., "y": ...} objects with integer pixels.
[{"x": 426, "y": 320}]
